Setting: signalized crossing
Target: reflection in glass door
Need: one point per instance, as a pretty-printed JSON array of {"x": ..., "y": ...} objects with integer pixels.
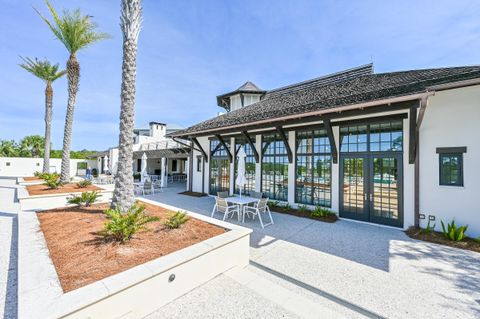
[
  {"x": 219, "y": 175},
  {"x": 371, "y": 188},
  {"x": 385, "y": 186}
]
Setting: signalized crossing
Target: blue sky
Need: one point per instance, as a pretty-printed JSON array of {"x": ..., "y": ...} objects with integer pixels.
[{"x": 191, "y": 51}]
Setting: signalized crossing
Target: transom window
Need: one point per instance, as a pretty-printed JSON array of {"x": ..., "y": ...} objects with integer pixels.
[
  {"x": 379, "y": 137},
  {"x": 313, "y": 167},
  {"x": 274, "y": 167}
]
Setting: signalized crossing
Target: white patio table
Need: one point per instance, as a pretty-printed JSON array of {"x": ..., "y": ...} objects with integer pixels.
[{"x": 241, "y": 201}]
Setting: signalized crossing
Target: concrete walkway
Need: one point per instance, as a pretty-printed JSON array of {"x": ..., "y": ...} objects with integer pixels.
[
  {"x": 346, "y": 269},
  {"x": 8, "y": 249}
]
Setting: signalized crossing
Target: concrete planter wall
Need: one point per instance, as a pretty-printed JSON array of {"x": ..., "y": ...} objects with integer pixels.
[
  {"x": 50, "y": 201},
  {"x": 133, "y": 293}
]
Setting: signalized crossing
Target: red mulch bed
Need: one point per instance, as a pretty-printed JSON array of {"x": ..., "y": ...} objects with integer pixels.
[
  {"x": 65, "y": 189},
  {"x": 438, "y": 238},
  {"x": 81, "y": 256},
  {"x": 295, "y": 212}
]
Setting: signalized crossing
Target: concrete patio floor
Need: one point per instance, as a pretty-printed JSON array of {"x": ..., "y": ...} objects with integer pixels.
[
  {"x": 354, "y": 270},
  {"x": 302, "y": 268}
]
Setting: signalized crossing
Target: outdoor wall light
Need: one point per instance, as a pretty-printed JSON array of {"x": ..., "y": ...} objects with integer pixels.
[
  {"x": 431, "y": 217},
  {"x": 171, "y": 278},
  {"x": 422, "y": 216}
]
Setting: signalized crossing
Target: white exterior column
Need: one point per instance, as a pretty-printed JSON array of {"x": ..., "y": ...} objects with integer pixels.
[
  {"x": 232, "y": 165},
  {"x": 291, "y": 168},
  {"x": 258, "y": 166},
  {"x": 335, "y": 174},
  {"x": 163, "y": 179}
]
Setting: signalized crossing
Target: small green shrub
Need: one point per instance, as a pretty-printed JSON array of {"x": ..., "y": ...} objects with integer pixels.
[
  {"x": 477, "y": 239},
  {"x": 83, "y": 184},
  {"x": 273, "y": 203},
  {"x": 136, "y": 176},
  {"x": 37, "y": 174},
  {"x": 320, "y": 212},
  {"x": 52, "y": 181},
  {"x": 176, "y": 220},
  {"x": 303, "y": 209},
  {"x": 287, "y": 206},
  {"x": 428, "y": 229},
  {"x": 122, "y": 226},
  {"x": 84, "y": 199},
  {"x": 454, "y": 232},
  {"x": 95, "y": 172}
]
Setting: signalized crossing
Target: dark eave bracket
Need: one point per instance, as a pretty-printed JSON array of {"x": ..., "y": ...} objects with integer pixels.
[
  {"x": 220, "y": 138},
  {"x": 283, "y": 136},
  {"x": 412, "y": 142},
  {"x": 333, "y": 147},
  {"x": 252, "y": 146},
  {"x": 195, "y": 141}
]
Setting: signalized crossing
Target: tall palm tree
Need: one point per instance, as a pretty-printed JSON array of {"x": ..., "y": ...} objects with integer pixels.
[
  {"x": 32, "y": 145},
  {"x": 76, "y": 31},
  {"x": 130, "y": 23},
  {"x": 47, "y": 72}
]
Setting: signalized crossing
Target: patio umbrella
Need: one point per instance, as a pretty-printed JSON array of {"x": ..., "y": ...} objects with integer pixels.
[
  {"x": 105, "y": 163},
  {"x": 241, "y": 180},
  {"x": 143, "y": 173}
]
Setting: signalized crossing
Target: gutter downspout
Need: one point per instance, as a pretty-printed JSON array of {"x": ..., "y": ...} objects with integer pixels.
[{"x": 423, "y": 107}]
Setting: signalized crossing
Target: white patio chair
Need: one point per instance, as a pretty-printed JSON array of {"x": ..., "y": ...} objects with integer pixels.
[
  {"x": 157, "y": 185},
  {"x": 261, "y": 207},
  {"x": 222, "y": 206},
  {"x": 148, "y": 188}
]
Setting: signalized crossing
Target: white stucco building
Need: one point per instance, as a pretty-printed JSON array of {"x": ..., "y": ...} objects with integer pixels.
[
  {"x": 395, "y": 149},
  {"x": 164, "y": 154}
]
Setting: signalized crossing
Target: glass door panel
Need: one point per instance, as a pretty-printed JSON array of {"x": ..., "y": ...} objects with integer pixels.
[
  {"x": 385, "y": 189},
  {"x": 353, "y": 188}
]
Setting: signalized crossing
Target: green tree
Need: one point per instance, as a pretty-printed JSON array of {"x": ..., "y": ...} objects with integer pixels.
[
  {"x": 130, "y": 23},
  {"x": 32, "y": 145},
  {"x": 48, "y": 73},
  {"x": 8, "y": 148},
  {"x": 76, "y": 32}
]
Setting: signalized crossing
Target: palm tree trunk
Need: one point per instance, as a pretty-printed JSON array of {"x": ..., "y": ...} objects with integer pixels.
[
  {"x": 73, "y": 75},
  {"x": 123, "y": 196},
  {"x": 48, "y": 127}
]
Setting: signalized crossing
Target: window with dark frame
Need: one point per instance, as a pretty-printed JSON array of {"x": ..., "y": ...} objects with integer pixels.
[
  {"x": 274, "y": 167},
  {"x": 174, "y": 165},
  {"x": 199, "y": 163},
  {"x": 451, "y": 165},
  {"x": 313, "y": 168}
]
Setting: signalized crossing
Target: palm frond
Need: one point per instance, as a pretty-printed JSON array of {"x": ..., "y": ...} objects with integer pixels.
[
  {"x": 42, "y": 69},
  {"x": 75, "y": 30}
]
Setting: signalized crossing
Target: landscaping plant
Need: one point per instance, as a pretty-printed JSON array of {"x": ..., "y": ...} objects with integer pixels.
[
  {"x": 83, "y": 184},
  {"x": 320, "y": 212},
  {"x": 52, "y": 181},
  {"x": 85, "y": 199},
  {"x": 122, "y": 226},
  {"x": 273, "y": 204},
  {"x": 176, "y": 220},
  {"x": 287, "y": 206},
  {"x": 454, "y": 232},
  {"x": 428, "y": 229},
  {"x": 303, "y": 209}
]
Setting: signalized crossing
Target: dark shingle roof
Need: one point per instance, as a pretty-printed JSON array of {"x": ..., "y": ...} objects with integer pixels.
[{"x": 337, "y": 90}]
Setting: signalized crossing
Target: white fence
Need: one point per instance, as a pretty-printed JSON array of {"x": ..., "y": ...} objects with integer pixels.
[{"x": 23, "y": 166}]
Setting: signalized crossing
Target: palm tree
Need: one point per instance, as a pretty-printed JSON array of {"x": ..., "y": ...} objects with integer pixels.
[
  {"x": 47, "y": 72},
  {"x": 32, "y": 145},
  {"x": 76, "y": 32},
  {"x": 130, "y": 23},
  {"x": 8, "y": 148}
]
